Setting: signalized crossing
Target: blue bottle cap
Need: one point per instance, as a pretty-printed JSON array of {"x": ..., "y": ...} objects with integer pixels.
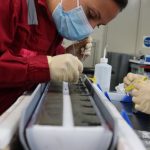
[{"x": 126, "y": 118}]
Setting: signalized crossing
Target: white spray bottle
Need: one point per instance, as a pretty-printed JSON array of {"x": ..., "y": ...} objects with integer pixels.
[{"x": 103, "y": 73}]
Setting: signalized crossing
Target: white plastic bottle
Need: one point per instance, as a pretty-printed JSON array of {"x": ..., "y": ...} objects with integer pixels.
[{"x": 103, "y": 73}]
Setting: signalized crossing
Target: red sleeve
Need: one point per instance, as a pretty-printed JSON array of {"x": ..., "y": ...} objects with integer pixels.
[
  {"x": 17, "y": 71},
  {"x": 60, "y": 50}
]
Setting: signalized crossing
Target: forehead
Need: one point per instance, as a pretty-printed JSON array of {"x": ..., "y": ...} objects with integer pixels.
[{"x": 107, "y": 8}]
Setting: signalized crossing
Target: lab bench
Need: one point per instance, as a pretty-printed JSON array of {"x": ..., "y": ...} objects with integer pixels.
[{"x": 139, "y": 121}]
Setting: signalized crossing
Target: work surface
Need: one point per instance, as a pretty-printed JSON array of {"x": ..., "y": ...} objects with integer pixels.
[{"x": 139, "y": 121}]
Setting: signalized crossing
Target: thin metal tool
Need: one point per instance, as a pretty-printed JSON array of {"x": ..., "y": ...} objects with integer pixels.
[
  {"x": 74, "y": 52},
  {"x": 83, "y": 58},
  {"x": 74, "y": 49}
]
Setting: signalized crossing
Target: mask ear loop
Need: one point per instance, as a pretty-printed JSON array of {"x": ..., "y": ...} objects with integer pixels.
[
  {"x": 74, "y": 49},
  {"x": 78, "y": 3},
  {"x": 61, "y": 2}
]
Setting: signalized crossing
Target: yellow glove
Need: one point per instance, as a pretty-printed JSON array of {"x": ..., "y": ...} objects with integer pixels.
[
  {"x": 81, "y": 49},
  {"x": 65, "y": 67},
  {"x": 141, "y": 96}
]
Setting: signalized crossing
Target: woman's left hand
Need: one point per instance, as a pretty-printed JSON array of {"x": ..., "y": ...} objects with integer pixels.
[
  {"x": 141, "y": 96},
  {"x": 81, "y": 49}
]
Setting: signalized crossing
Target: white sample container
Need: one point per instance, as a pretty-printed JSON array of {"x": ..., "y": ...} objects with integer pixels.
[{"x": 103, "y": 73}]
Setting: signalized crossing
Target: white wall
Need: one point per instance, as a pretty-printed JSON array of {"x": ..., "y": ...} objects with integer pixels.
[
  {"x": 126, "y": 32},
  {"x": 122, "y": 31},
  {"x": 99, "y": 37}
]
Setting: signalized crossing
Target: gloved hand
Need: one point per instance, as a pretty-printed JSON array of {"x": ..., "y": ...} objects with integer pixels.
[
  {"x": 65, "y": 67},
  {"x": 141, "y": 96},
  {"x": 130, "y": 78},
  {"x": 81, "y": 49}
]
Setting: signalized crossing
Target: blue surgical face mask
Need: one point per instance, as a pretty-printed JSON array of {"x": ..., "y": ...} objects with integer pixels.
[{"x": 73, "y": 24}]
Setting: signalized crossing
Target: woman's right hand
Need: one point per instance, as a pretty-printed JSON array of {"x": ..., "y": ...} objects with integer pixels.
[{"x": 65, "y": 67}]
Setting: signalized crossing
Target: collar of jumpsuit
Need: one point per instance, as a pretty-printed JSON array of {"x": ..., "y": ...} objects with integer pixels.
[
  {"x": 32, "y": 15},
  {"x": 72, "y": 24}
]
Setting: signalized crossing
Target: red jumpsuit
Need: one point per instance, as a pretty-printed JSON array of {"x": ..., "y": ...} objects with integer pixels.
[{"x": 23, "y": 48}]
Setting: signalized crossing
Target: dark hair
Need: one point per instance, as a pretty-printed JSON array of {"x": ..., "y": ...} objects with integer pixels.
[{"x": 121, "y": 3}]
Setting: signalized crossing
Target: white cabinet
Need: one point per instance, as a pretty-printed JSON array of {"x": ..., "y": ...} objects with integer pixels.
[{"x": 144, "y": 27}]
